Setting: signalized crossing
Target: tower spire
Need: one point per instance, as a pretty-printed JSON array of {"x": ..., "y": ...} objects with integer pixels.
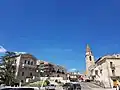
[{"x": 88, "y": 48}]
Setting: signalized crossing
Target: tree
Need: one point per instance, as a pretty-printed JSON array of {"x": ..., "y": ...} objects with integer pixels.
[{"x": 7, "y": 69}]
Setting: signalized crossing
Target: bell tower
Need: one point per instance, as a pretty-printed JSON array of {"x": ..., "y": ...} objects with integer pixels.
[{"x": 89, "y": 59}]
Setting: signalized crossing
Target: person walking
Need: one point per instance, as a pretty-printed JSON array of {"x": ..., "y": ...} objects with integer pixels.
[{"x": 117, "y": 87}]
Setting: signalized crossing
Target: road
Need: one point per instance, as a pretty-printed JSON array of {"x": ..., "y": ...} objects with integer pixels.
[
  {"x": 88, "y": 86},
  {"x": 91, "y": 86}
]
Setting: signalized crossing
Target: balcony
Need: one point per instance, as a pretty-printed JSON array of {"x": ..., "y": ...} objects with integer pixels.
[
  {"x": 112, "y": 66},
  {"x": 14, "y": 63},
  {"x": 26, "y": 65}
]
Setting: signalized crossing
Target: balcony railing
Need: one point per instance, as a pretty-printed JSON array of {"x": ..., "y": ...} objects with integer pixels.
[{"x": 26, "y": 65}]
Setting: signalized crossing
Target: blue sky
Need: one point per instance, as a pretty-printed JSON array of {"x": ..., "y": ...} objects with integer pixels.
[{"x": 58, "y": 30}]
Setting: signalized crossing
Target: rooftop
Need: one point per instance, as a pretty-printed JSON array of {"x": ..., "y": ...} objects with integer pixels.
[
  {"x": 21, "y": 52},
  {"x": 109, "y": 56}
]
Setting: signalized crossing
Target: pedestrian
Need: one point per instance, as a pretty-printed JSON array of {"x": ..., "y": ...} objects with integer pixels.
[{"x": 118, "y": 87}]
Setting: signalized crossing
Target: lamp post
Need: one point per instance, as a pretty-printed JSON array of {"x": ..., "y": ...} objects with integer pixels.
[
  {"x": 39, "y": 71},
  {"x": 43, "y": 82}
]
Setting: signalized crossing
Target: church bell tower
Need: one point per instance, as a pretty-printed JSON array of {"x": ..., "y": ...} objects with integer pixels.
[{"x": 89, "y": 59}]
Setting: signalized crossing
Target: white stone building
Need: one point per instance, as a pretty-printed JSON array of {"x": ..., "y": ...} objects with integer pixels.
[
  {"x": 25, "y": 67},
  {"x": 29, "y": 68},
  {"x": 106, "y": 70}
]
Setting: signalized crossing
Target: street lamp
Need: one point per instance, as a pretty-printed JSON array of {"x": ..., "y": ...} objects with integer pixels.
[{"x": 39, "y": 71}]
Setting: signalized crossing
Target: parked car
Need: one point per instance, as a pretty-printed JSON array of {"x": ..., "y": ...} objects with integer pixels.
[
  {"x": 76, "y": 86},
  {"x": 72, "y": 86},
  {"x": 87, "y": 80},
  {"x": 50, "y": 87},
  {"x": 68, "y": 86}
]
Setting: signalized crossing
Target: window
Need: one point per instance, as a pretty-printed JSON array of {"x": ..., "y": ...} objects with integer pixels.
[
  {"x": 32, "y": 63},
  {"x": 63, "y": 72},
  {"x": 22, "y": 73},
  {"x": 101, "y": 71},
  {"x": 58, "y": 71},
  {"x": 90, "y": 58},
  {"x": 30, "y": 74},
  {"x": 25, "y": 62},
  {"x": 28, "y": 62},
  {"x": 111, "y": 63},
  {"x": 96, "y": 72},
  {"x": 15, "y": 61},
  {"x": 58, "y": 75},
  {"x": 22, "y": 81},
  {"x": 113, "y": 72},
  {"x": 53, "y": 70}
]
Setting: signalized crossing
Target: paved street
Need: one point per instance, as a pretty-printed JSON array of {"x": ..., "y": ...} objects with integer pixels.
[{"x": 90, "y": 86}]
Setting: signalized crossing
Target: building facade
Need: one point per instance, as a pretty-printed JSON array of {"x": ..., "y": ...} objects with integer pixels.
[
  {"x": 52, "y": 70},
  {"x": 74, "y": 76},
  {"x": 30, "y": 69},
  {"x": 106, "y": 71},
  {"x": 60, "y": 71},
  {"x": 25, "y": 68}
]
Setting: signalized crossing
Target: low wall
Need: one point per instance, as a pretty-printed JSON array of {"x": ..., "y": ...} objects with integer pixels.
[
  {"x": 44, "y": 78},
  {"x": 51, "y": 78}
]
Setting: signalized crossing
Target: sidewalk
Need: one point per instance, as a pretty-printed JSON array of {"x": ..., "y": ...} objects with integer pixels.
[
  {"x": 103, "y": 89},
  {"x": 98, "y": 84}
]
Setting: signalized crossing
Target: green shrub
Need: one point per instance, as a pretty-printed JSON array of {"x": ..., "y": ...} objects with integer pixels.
[
  {"x": 47, "y": 82},
  {"x": 37, "y": 84}
]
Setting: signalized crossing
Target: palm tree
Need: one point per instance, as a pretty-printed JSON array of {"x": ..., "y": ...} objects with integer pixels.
[{"x": 7, "y": 70}]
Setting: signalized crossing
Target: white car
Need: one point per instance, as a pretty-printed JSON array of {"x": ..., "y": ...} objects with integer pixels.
[{"x": 19, "y": 88}]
